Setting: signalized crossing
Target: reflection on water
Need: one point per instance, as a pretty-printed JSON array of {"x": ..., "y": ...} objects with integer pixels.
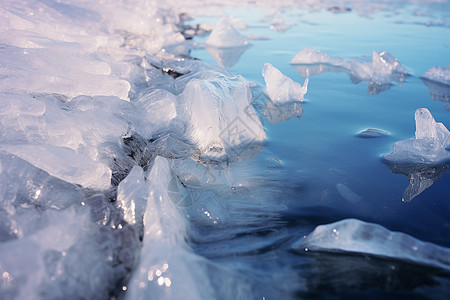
[
  {"x": 278, "y": 113},
  {"x": 307, "y": 70},
  {"x": 420, "y": 177},
  {"x": 227, "y": 57},
  {"x": 439, "y": 92}
]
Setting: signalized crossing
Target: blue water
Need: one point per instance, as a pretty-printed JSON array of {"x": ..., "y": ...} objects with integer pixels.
[{"x": 304, "y": 159}]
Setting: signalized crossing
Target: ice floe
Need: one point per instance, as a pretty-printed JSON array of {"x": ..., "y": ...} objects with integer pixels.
[
  {"x": 352, "y": 235},
  {"x": 225, "y": 35}
]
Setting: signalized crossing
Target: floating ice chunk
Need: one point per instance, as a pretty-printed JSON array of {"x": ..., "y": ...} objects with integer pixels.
[
  {"x": 347, "y": 193},
  {"x": 279, "y": 24},
  {"x": 224, "y": 35},
  {"x": 378, "y": 72},
  {"x": 221, "y": 121},
  {"x": 65, "y": 164},
  {"x": 372, "y": 133},
  {"x": 167, "y": 268},
  {"x": 438, "y": 74},
  {"x": 280, "y": 88},
  {"x": 428, "y": 146},
  {"x": 420, "y": 177},
  {"x": 351, "y": 235}
]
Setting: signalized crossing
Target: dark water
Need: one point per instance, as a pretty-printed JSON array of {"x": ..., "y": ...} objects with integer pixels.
[{"x": 293, "y": 184}]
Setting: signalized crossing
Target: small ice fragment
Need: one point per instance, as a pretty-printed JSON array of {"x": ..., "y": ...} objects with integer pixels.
[
  {"x": 428, "y": 146},
  {"x": 351, "y": 235},
  {"x": 225, "y": 35},
  {"x": 372, "y": 133},
  {"x": 347, "y": 193},
  {"x": 279, "y": 24},
  {"x": 438, "y": 74},
  {"x": 280, "y": 88}
]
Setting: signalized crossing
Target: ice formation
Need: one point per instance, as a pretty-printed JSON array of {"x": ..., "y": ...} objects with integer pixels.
[
  {"x": 438, "y": 74},
  {"x": 352, "y": 235},
  {"x": 280, "y": 88},
  {"x": 225, "y": 35},
  {"x": 379, "y": 72},
  {"x": 427, "y": 147},
  {"x": 372, "y": 133}
]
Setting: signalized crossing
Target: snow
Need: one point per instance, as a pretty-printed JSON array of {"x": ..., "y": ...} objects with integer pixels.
[
  {"x": 352, "y": 235},
  {"x": 379, "y": 72},
  {"x": 427, "y": 147},
  {"x": 280, "y": 88}
]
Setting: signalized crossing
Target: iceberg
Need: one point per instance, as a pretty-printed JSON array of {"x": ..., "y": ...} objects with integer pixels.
[
  {"x": 280, "y": 88},
  {"x": 352, "y": 235},
  {"x": 379, "y": 72},
  {"x": 225, "y": 35},
  {"x": 429, "y": 146}
]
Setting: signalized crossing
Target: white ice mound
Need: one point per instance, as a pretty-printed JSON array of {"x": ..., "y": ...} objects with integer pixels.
[
  {"x": 351, "y": 235},
  {"x": 427, "y": 147},
  {"x": 65, "y": 164},
  {"x": 438, "y": 74},
  {"x": 167, "y": 268},
  {"x": 381, "y": 70},
  {"x": 221, "y": 120},
  {"x": 225, "y": 35},
  {"x": 280, "y": 88}
]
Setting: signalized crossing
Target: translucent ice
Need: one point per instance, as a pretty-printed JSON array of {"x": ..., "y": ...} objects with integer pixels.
[
  {"x": 379, "y": 72},
  {"x": 438, "y": 74},
  {"x": 167, "y": 267},
  {"x": 221, "y": 121},
  {"x": 64, "y": 164},
  {"x": 225, "y": 35},
  {"x": 351, "y": 235},
  {"x": 280, "y": 88},
  {"x": 427, "y": 147}
]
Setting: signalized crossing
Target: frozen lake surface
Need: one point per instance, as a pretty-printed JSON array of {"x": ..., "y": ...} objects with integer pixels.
[{"x": 298, "y": 151}]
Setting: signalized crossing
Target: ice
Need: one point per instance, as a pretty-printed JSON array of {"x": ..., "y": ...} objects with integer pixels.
[
  {"x": 225, "y": 35},
  {"x": 352, "y": 235},
  {"x": 167, "y": 267},
  {"x": 379, "y": 72},
  {"x": 427, "y": 147},
  {"x": 372, "y": 133},
  {"x": 438, "y": 74},
  {"x": 131, "y": 195},
  {"x": 280, "y": 88},
  {"x": 348, "y": 194},
  {"x": 221, "y": 121},
  {"x": 64, "y": 164},
  {"x": 279, "y": 24}
]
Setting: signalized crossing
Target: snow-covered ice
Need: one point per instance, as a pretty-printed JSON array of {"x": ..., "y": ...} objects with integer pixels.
[
  {"x": 352, "y": 235},
  {"x": 427, "y": 147},
  {"x": 280, "y": 88}
]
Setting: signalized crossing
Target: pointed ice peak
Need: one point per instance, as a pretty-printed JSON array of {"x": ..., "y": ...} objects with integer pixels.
[
  {"x": 280, "y": 88},
  {"x": 225, "y": 35}
]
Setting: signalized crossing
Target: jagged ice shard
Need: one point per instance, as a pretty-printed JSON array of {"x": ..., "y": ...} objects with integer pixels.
[
  {"x": 352, "y": 235},
  {"x": 280, "y": 88},
  {"x": 429, "y": 146}
]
